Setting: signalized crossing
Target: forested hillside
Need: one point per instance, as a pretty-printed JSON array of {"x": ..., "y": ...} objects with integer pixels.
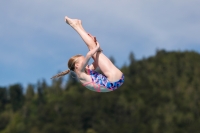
[{"x": 161, "y": 94}]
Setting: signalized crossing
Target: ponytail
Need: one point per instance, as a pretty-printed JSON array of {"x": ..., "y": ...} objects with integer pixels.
[{"x": 61, "y": 74}]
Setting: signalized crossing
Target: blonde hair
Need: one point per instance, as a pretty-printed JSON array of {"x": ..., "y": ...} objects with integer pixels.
[{"x": 71, "y": 66}]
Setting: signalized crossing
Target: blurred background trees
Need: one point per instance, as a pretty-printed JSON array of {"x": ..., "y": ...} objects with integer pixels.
[{"x": 160, "y": 95}]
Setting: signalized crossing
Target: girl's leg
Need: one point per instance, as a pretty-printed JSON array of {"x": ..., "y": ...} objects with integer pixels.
[
  {"x": 76, "y": 25},
  {"x": 106, "y": 66}
]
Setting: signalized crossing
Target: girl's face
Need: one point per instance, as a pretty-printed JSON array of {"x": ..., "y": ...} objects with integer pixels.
[{"x": 79, "y": 62}]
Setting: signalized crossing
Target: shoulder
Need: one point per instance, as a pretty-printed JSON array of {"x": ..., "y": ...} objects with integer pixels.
[{"x": 84, "y": 76}]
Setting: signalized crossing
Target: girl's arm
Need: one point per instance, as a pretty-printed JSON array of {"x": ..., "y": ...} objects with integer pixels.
[
  {"x": 93, "y": 66},
  {"x": 88, "y": 56}
]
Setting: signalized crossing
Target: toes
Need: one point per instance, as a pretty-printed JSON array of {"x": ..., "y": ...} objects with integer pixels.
[{"x": 66, "y": 18}]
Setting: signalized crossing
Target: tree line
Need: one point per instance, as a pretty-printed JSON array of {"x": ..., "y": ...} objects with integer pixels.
[{"x": 160, "y": 95}]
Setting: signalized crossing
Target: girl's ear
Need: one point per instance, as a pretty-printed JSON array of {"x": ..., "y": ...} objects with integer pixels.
[{"x": 76, "y": 65}]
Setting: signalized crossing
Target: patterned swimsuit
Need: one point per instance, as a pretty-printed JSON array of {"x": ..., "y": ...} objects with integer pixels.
[{"x": 100, "y": 83}]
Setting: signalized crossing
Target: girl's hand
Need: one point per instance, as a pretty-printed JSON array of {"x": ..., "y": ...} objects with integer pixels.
[
  {"x": 97, "y": 44},
  {"x": 95, "y": 40},
  {"x": 99, "y": 48},
  {"x": 93, "y": 37}
]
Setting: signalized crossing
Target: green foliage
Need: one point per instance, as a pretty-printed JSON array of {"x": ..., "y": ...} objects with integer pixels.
[
  {"x": 160, "y": 95},
  {"x": 16, "y": 96},
  {"x": 5, "y": 119},
  {"x": 29, "y": 92},
  {"x": 3, "y": 98}
]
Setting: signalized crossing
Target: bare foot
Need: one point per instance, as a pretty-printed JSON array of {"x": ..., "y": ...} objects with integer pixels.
[{"x": 72, "y": 22}]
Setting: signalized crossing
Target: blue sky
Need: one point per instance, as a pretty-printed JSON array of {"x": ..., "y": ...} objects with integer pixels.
[{"x": 36, "y": 43}]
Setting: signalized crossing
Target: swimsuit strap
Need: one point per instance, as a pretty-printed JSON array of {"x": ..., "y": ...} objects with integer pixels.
[{"x": 87, "y": 83}]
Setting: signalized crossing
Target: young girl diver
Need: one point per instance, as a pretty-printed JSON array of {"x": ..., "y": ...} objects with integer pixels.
[{"x": 111, "y": 79}]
